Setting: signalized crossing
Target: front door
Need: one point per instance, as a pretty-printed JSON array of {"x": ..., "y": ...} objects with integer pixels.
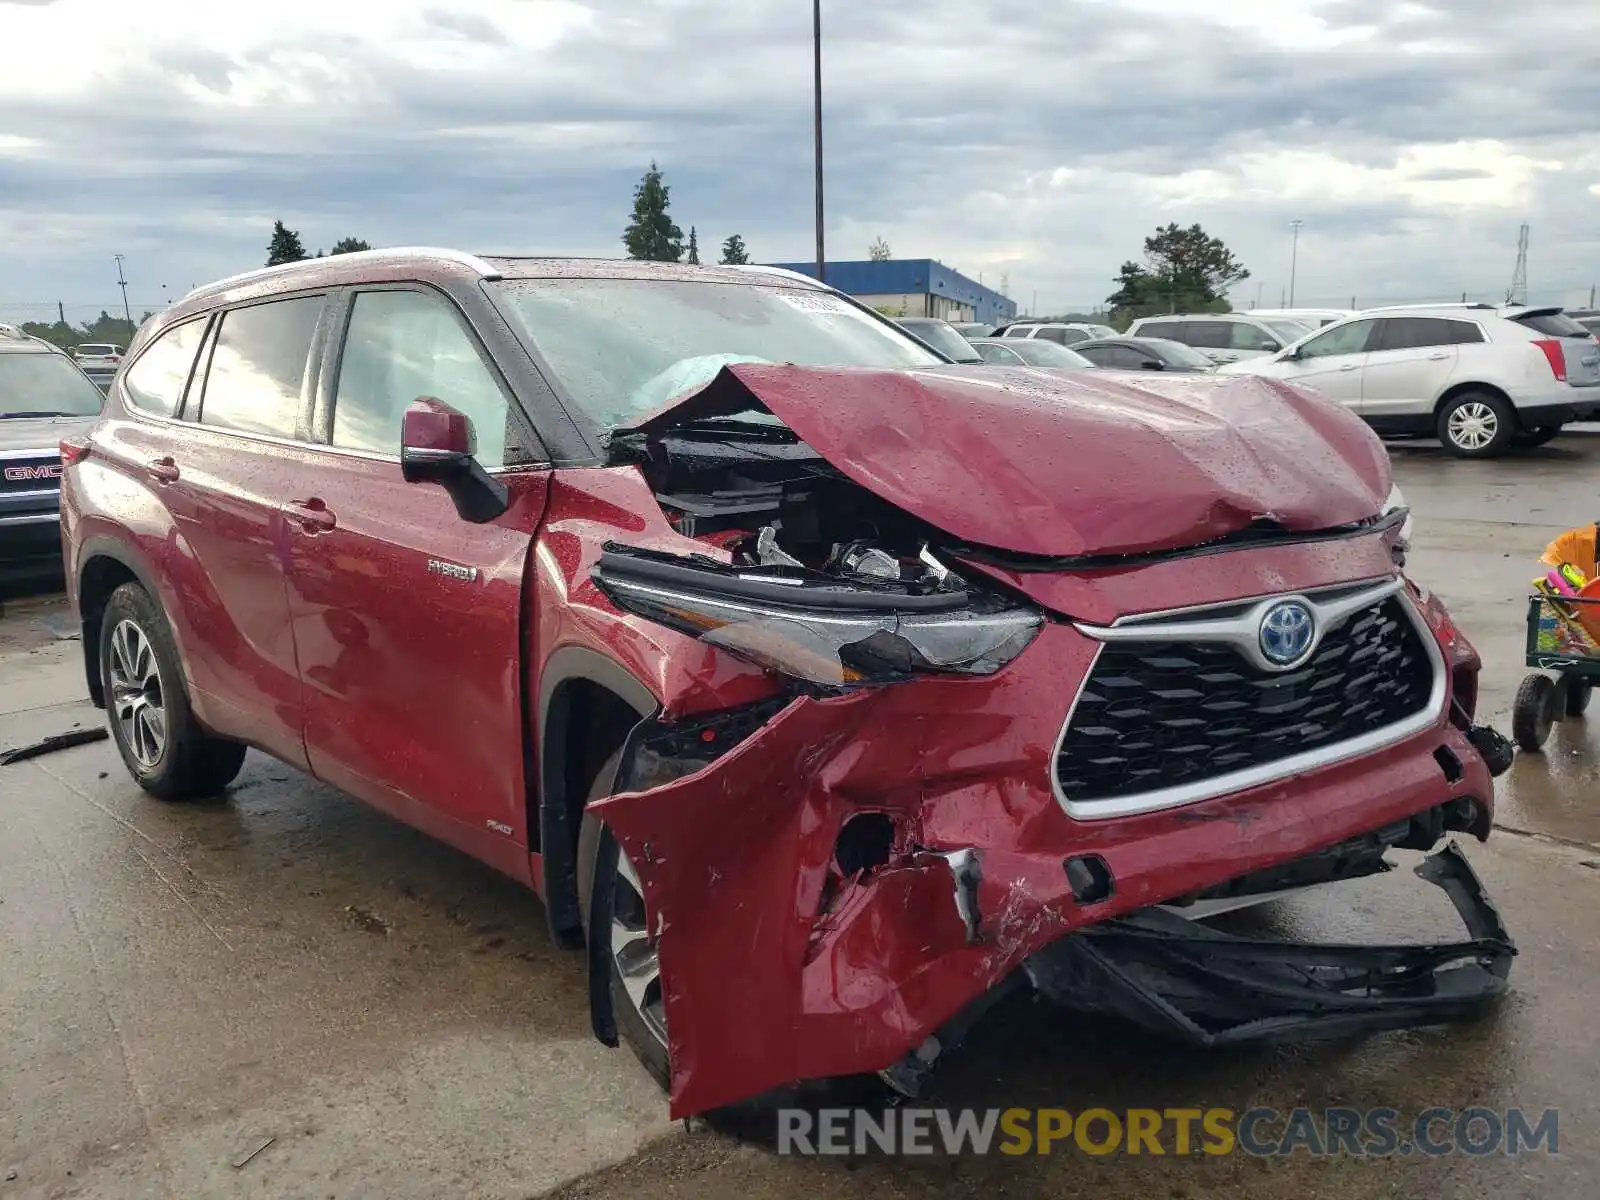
[
  {"x": 1332, "y": 362},
  {"x": 407, "y": 618}
]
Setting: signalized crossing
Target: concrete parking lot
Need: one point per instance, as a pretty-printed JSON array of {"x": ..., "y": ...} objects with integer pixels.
[{"x": 178, "y": 985}]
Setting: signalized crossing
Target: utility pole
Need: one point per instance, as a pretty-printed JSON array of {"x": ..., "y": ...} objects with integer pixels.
[
  {"x": 1259, "y": 286},
  {"x": 1294, "y": 256},
  {"x": 1591, "y": 295},
  {"x": 61, "y": 313},
  {"x": 816, "y": 71},
  {"x": 123, "y": 283}
]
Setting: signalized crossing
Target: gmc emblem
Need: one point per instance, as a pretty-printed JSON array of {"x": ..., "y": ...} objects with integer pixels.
[{"x": 43, "y": 471}]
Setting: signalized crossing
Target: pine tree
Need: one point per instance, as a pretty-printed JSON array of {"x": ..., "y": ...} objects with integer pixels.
[
  {"x": 349, "y": 245},
  {"x": 651, "y": 235},
  {"x": 285, "y": 246},
  {"x": 733, "y": 252},
  {"x": 694, "y": 247}
]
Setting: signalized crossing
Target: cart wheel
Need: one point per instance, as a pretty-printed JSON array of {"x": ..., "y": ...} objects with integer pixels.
[
  {"x": 1534, "y": 712},
  {"x": 1577, "y": 690}
]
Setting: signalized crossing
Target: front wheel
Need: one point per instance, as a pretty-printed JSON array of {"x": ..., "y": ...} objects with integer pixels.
[
  {"x": 620, "y": 941},
  {"x": 164, "y": 748},
  {"x": 1476, "y": 425}
]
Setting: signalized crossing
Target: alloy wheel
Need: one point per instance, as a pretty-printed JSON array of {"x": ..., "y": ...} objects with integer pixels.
[
  {"x": 136, "y": 696},
  {"x": 1473, "y": 426},
  {"x": 634, "y": 950}
]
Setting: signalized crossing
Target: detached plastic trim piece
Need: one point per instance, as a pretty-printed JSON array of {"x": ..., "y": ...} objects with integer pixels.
[{"x": 1186, "y": 982}]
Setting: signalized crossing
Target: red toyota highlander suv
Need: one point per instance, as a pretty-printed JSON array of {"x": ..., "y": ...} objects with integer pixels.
[{"x": 763, "y": 642}]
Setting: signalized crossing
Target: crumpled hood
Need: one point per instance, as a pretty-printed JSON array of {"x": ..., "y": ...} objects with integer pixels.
[{"x": 1079, "y": 464}]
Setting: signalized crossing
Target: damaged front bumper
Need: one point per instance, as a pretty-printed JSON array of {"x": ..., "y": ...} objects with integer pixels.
[{"x": 849, "y": 960}]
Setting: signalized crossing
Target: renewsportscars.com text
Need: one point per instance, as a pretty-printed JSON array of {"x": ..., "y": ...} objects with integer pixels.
[{"x": 1260, "y": 1132}]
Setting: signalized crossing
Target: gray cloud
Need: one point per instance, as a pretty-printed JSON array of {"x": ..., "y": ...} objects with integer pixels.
[{"x": 945, "y": 125}]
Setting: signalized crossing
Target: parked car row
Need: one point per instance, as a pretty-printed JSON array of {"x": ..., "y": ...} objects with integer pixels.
[{"x": 1481, "y": 378}]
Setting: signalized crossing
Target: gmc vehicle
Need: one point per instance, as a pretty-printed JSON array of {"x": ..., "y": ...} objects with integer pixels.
[
  {"x": 43, "y": 398},
  {"x": 767, "y": 645}
]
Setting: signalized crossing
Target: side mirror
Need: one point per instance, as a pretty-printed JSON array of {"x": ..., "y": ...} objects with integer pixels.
[
  {"x": 1153, "y": 364},
  {"x": 438, "y": 445}
]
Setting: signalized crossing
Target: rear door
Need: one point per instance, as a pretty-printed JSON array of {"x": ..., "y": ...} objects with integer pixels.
[
  {"x": 223, "y": 476},
  {"x": 1412, "y": 361},
  {"x": 407, "y": 618}
]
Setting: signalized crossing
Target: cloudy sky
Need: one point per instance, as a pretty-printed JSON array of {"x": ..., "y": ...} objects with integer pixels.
[{"x": 1036, "y": 142}]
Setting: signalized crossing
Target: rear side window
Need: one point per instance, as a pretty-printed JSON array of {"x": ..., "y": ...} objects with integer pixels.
[
  {"x": 1059, "y": 336},
  {"x": 1552, "y": 324},
  {"x": 1412, "y": 333},
  {"x": 401, "y": 345},
  {"x": 258, "y": 367},
  {"x": 156, "y": 381},
  {"x": 1211, "y": 335}
]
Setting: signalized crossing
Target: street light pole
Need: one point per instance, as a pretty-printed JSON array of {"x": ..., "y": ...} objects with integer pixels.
[
  {"x": 123, "y": 283},
  {"x": 1294, "y": 256},
  {"x": 816, "y": 65}
]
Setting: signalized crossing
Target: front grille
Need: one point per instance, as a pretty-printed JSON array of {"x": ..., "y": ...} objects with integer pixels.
[
  {"x": 1158, "y": 714},
  {"x": 31, "y": 473}
]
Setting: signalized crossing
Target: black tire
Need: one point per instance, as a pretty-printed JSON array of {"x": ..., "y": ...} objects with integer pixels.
[
  {"x": 1476, "y": 425},
  {"x": 598, "y": 856},
  {"x": 1534, "y": 712},
  {"x": 165, "y": 750},
  {"x": 1577, "y": 695},
  {"x": 1527, "y": 439}
]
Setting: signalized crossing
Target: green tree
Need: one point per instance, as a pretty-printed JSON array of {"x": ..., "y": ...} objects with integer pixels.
[
  {"x": 734, "y": 253},
  {"x": 349, "y": 245},
  {"x": 651, "y": 235},
  {"x": 1184, "y": 270},
  {"x": 285, "y": 246},
  {"x": 57, "y": 333},
  {"x": 694, "y": 247}
]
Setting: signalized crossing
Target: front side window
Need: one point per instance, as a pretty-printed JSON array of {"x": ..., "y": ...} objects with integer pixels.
[
  {"x": 1163, "y": 329},
  {"x": 156, "y": 381},
  {"x": 1341, "y": 339},
  {"x": 622, "y": 347},
  {"x": 258, "y": 367},
  {"x": 1244, "y": 336},
  {"x": 45, "y": 385},
  {"x": 1037, "y": 353},
  {"x": 401, "y": 345}
]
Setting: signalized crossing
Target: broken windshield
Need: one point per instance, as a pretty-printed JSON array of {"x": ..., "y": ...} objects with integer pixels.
[{"x": 624, "y": 347}]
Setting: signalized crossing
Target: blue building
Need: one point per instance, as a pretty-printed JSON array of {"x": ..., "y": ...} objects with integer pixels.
[{"x": 914, "y": 287}]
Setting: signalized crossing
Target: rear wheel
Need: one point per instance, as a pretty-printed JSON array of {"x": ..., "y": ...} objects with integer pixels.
[
  {"x": 162, "y": 744},
  {"x": 1534, "y": 712},
  {"x": 615, "y": 927},
  {"x": 1526, "y": 439},
  {"x": 1476, "y": 425}
]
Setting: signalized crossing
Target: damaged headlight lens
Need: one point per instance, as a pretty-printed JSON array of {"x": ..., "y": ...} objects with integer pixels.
[
  {"x": 1396, "y": 500},
  {"x": 826, "y": 632}
]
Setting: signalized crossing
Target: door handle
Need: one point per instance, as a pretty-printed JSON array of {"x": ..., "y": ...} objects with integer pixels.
[
  {"x": 1348, "y": 367},
  {"x": 311, "y": 515},
  {"x": 1437, "y": 357},
  {"x": 163, "y": 470}
]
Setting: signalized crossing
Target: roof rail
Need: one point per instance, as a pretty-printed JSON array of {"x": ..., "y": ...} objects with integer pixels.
[
  {"x": 484, "y": 268},
  {"x": 1427, "y": 304},
  {"x": 781, "y": 272}
]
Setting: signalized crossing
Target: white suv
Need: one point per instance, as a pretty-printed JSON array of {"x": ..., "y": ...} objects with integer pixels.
[
  {"x": 1224, "y": 337},
  {"x": 1477, "y": 377},
  {"x": 1063, "y": 333}
]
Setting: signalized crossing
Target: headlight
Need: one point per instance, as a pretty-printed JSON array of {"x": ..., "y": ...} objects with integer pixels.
[
  {"x": 820, "y": 629},
  {"x": 1396, "y": 500}
]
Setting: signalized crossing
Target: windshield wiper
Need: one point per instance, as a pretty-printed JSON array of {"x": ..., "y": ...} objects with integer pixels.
[{"x": 44, "y": 414}]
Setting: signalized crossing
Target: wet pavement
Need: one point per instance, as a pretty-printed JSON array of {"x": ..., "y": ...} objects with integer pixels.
[{"x": 179, "y": 984}]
